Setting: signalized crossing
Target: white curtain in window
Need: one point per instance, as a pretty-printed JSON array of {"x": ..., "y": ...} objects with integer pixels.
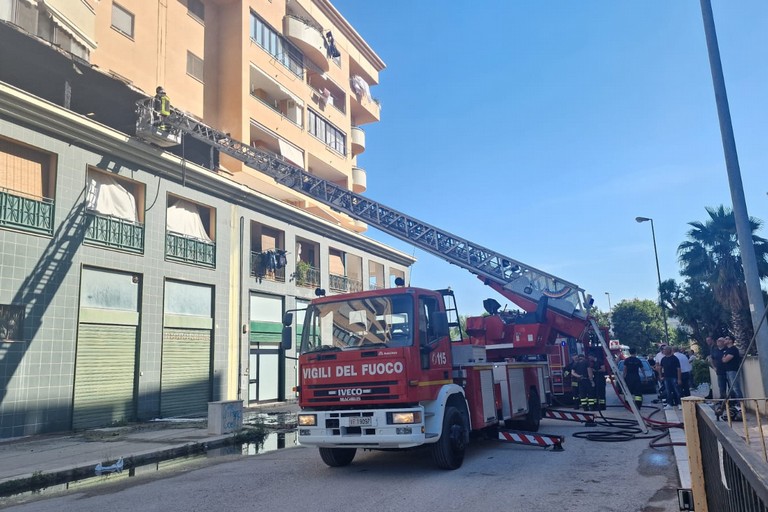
[
  {"x": 108, "y": 197},
  {"x": 183, "y": 217}
]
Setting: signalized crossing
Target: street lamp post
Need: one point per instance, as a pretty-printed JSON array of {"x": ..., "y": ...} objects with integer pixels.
[
  {"x": 609, "y": 302},
  {"x": 658, "y": 275}
]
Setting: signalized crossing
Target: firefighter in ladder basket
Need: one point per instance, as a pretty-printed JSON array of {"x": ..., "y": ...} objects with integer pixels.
[
  {"x": 583, "y": 371},
  {"x": 162, "y": 106}
]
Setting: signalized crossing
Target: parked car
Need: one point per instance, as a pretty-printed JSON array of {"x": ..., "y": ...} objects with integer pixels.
[{"x": 647, "y": 376}]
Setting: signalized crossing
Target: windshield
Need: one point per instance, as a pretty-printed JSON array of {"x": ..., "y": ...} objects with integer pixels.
[{"x": 351, "y": 324}]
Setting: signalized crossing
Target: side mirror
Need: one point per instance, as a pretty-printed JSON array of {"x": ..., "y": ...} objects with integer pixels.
[
  {"x": 288, "y": 319},
  {"x": 286, "y": 341},
  {"x": 438, "y": 324}
]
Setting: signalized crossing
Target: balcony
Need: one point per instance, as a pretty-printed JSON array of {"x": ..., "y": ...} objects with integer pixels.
[
  {"x": 359, "y": 180},
  {"x": 306, "y": 275},
  {"x": 359, "y": 226},
  {"x": 186, "y": 249},
  {"x": 358, "y": 140},
  {"x": 261, "y": 270},
  {"x": 343, "y": 284},
  {"x": 35, "y": 215},
  {"x": 308, "y": 38},
  {"x": 114, "y": 232}
]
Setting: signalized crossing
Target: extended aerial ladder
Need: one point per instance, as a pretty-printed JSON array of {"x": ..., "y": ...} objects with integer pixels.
[{"x": 567, "y": 304}]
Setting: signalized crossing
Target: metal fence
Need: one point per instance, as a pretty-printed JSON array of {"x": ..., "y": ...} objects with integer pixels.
[{"x": 727, "y": 456}]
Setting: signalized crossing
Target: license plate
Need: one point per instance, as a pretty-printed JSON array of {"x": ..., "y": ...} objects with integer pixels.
[{"x": 361, "y": 421}]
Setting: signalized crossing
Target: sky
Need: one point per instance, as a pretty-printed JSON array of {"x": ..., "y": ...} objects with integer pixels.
[{"x": 542, "y": 129}]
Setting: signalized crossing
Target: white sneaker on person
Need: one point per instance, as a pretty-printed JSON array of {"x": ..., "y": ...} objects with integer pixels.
[{"x": 667, "y": 407}]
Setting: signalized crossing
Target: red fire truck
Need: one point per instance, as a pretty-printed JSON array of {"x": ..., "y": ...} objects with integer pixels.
[{"x": 392, "y": 369}]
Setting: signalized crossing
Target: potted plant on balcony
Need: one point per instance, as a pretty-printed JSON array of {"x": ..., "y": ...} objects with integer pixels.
[{"x": 302, "y": 272}]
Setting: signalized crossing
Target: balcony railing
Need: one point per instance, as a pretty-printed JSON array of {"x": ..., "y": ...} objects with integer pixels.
[
  {"x": 338, "y": 283},
  {"x": 25, "y": 213},
  {"x": 184, "y": 248},
  {"x": 115, "y": 232},
  {"x": 307, "y": 276},
  {"x": 263, "y": 270}
]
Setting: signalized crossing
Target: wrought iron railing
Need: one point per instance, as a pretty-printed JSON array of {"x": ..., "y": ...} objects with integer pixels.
[
  {"x": 184, "y": 248},
  {"x": 339, "y": 283},
  {"x": 307, "y": 276},
  {"x": 114, "y": 232},
  {"x": 733, "y": 477},
  {"x": 263, "y": 270},
  {"x": 26, "y": 213}
]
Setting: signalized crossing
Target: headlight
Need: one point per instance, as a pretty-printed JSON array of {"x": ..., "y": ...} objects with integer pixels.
[
  {"x": 404, "y": 417},
  {"x": 307, "y": 420}
]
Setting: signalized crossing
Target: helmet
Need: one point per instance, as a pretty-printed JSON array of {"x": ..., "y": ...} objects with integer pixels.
[{"x": 160, "y": 90}]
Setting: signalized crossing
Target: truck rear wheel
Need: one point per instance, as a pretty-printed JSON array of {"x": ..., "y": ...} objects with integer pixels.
[
  {"x": 532, "y": 419},
  {"x": 337, "y": 457},
  {"x": 448, "y": 452}
]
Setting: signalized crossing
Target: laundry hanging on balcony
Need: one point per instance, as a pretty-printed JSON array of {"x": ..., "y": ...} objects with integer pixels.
[
  {"x": 360, "y": 87},
  {"x": 271, "y": 260}
]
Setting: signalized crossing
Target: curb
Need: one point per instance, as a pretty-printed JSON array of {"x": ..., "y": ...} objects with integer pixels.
[{"x": 41, "y": 480}]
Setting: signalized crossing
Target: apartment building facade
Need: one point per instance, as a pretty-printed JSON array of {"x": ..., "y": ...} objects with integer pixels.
[{"x": 138, "y": 283}]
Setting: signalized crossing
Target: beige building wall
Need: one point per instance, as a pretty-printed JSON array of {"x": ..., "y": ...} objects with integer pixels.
[{"x": 165, "y": 33}]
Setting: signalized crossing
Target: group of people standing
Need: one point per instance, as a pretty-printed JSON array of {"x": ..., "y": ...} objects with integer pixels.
[
  {"x": 673, "y": 369},
  {"x": 587, "y": 375},
  {"x": 725, "y": 358}
]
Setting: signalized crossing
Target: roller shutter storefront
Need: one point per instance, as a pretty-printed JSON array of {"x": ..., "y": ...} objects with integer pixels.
[
  {"x": 185, "y": 382},
  {"x": 105, "y": 368}
]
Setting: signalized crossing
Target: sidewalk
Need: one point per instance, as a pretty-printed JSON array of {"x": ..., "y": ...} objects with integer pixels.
[{"x": 58, "y": 458}]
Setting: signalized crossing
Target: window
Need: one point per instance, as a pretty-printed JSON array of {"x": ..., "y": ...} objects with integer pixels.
[
  {"x": 115, "y": 211},
  {"x": 189, "y": 232},
  {"x": 194, "y": 66},
  {"x": 26, "y": 172},
  {"x": 21, "y": 13},
  {"x": 27, "y": 187},
  {"x": 196, "y": 9},
  {"x": 326, "y": 132},
  {"x": 285, "y": 53},
  {"x": 122, "y": 20}
]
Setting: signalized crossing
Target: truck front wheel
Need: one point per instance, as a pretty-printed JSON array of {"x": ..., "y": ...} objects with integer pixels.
[
  {"x": 448, "y": 452},
  {"x": 337, "y": 457}
]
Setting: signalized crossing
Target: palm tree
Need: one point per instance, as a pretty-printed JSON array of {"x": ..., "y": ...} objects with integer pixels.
[{"x": 711, "y": 256}]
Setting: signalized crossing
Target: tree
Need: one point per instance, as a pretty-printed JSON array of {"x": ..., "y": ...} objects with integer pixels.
[
  {"x": 601, "y": 317},
  {"x": 638, "y": 323},
  {"x": 711, "y": 257},
  {"x": 694, "y": 305}
]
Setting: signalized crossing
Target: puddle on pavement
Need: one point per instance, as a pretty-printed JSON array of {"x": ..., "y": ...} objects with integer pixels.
[{"x": 272, "y": 441}]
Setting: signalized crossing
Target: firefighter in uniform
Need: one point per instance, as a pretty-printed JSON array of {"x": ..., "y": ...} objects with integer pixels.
[
  {"x": 600, "y": 373},
  {"x": 574, "y": 384},
  {"x": 162, "y": 106},
  {"x": 583, "y": 371},
  {"x": 631, "y": 374}
]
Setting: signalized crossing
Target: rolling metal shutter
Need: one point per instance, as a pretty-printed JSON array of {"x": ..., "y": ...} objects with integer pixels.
[
  {"x": 185, "y": 384},
  {"x": 104, "y": 375}
]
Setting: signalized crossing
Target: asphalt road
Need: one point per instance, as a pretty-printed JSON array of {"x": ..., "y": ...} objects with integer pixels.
[{"x": 587, "y": 476}]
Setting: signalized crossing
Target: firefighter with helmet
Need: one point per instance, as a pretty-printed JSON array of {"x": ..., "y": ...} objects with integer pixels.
[{"x": 162, "y": 106}]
